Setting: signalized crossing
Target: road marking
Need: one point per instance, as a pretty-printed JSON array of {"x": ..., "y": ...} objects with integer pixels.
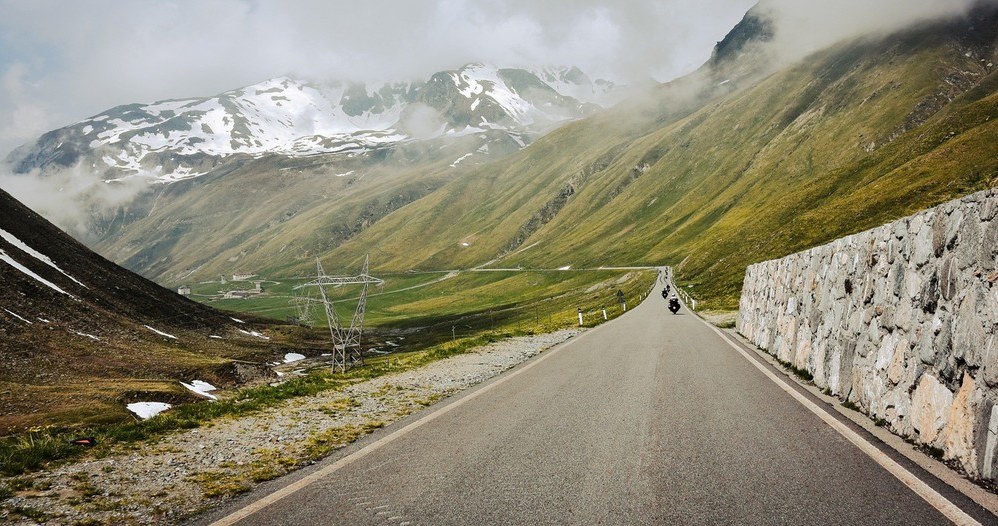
[
  {"x": 931, "y": 496},
  {"x": 301, "y": 484}
]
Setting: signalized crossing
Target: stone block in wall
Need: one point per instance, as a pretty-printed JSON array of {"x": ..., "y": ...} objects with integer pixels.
[{"x": 930, "y": 405}]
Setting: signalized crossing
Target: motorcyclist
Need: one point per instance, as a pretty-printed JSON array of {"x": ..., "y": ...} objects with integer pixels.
[{"x": 674, "y": 304}]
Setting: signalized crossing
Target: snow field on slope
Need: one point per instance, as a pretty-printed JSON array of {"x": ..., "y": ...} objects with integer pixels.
[
  {"x": 10, "y": 238},
  {"x": 275, "y": 114},
  {"x": 25, "y": 270},
  {"x": 473, "y": 80},
  {"x": 288, "y": 117}
]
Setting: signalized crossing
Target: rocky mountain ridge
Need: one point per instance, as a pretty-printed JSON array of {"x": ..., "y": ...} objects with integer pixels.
[{"x": 179, "y": 139}]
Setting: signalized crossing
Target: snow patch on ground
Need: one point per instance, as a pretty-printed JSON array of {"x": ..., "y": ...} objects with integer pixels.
[
  {"x": 459, "y": 159},
  {"x": 8, "y": 237},
  {"x": 292, "y": 357},
  {"x": 16, "y": 315},
  {"x": 146, "y": 410},
  {"x": 12, "y": 262},
  {"x": 566, "y": 267},
  {"x": 254, "y": 333},
  {"x": 202, "y": 388},
  {"x": 236, "y": 320},
  {"x": 91, "y": 336},
  {"x": 161, "y": 333}
]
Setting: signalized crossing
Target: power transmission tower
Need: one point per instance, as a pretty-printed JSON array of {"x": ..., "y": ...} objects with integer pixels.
[
  {"x": 346, "y": 340},
  {"x": 304, "y": 304}
]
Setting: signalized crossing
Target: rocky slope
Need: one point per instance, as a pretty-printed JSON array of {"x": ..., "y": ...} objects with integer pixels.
[{"x": 80, "y": 336}]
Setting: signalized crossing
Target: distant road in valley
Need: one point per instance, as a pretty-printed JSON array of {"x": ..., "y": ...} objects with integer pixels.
[{"x": 648, "y": 419}]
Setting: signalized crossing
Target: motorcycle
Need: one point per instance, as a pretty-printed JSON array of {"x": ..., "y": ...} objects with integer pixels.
[{"x": 674, "y": 305}]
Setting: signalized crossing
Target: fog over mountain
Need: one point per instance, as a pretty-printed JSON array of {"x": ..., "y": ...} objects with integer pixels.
[
  {"x": 806, "y": 26},
  {"x": 61, "y": 62}
]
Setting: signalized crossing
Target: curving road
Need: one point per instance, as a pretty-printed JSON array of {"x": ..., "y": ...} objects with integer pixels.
[{"x": 649, "y": 419}]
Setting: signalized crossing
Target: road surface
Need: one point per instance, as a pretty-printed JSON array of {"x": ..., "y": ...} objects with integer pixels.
[{"x": 649, "y": 419}]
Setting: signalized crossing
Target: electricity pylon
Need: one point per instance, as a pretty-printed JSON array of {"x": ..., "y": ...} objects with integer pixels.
[
  {"x": 346, "y": 340},
  {"x": 303, "y": 303}
]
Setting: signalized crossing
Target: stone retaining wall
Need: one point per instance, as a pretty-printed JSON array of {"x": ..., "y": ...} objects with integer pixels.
[{"x": 900, "y": 320}]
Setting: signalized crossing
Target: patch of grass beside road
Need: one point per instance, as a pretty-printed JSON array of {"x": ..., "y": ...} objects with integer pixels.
[{"x": 33, "y": 450}]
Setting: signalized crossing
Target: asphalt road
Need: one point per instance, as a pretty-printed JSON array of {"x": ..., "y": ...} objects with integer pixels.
[{"x": 649, "y": 419}]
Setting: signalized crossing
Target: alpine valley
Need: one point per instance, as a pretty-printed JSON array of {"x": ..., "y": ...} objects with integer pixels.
[
  {"x": 311, "y": 164},
  {"x": 746, "y": 159}
]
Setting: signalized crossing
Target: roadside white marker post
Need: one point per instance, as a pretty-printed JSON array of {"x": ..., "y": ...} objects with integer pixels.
[
  {"x": 580, "y": 316},
  {"x": 604, "y": 313}
]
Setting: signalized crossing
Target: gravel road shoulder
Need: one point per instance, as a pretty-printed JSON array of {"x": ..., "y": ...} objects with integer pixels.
[{"x": 191, "y": 471}]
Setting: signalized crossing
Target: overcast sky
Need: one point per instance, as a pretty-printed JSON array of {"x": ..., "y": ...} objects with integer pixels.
[{"x": 62, "y": 61}]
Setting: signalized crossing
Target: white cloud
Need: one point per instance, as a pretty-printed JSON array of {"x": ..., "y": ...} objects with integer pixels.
[
  {"x": 804, "y": 27},
  {"x": 23, "y": 114},
  {"x": 64, "y": 61},
  {"x": 83, "y": 57},
  {"x": 73, "y": 198}
]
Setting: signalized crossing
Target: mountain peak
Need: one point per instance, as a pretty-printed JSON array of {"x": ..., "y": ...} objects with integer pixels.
[
  {"x": 755, "y": 27},
  {"x": 183, "y": 138}
]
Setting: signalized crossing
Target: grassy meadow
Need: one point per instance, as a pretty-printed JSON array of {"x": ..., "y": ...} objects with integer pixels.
[
  {"x": 431, "y": 315},
  {"x": 456, "y": 302}
]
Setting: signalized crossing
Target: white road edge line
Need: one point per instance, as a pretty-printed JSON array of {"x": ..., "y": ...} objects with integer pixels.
[
  {"x": 298, "y": 485},
  {"x": 931, "y": 496}
]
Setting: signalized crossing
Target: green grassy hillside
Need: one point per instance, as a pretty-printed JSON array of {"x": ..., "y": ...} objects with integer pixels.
[
  {"x": 737, "y": 163},
  {"x": 849, "y": 138},
  {"x": 273, "y": 212}
]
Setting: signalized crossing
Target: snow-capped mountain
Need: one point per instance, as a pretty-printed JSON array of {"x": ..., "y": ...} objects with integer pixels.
[
  {"x": 179, "y": 139},
  {"x": 572, "y": 82}
]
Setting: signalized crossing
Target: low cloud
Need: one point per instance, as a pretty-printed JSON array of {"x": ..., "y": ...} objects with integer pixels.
[
  {"x": 806, "y": 27},
  {"x": 63, "y": 61},
  {"x": 75, "y": 199},
  {"x": 70, "y": 60},
  {"x": 422, "y": 121}
]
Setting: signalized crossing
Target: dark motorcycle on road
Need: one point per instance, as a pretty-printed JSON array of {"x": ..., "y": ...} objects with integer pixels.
[{"x": 674, "y": 304}]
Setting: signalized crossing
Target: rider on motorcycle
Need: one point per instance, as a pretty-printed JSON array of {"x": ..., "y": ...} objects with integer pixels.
[{"x": 674, "y": 304}]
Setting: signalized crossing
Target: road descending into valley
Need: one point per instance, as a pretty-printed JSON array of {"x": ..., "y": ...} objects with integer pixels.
[{"x": 649, "y": 419}]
